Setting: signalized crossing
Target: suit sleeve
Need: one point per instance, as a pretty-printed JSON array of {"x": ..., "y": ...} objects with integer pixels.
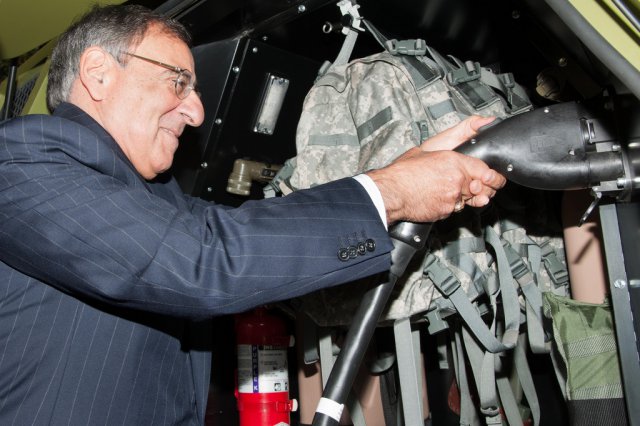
[{"x": 92, "y": 236}]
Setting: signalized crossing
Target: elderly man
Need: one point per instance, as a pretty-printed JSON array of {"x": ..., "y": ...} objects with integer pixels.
[{"x": 109, "y": 273}]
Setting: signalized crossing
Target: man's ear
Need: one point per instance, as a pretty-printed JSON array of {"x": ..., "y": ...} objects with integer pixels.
[{"x": 96, "y": 71}]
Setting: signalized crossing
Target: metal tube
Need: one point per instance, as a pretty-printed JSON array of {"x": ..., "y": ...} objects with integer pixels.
[{"x": 10, "y": 94}]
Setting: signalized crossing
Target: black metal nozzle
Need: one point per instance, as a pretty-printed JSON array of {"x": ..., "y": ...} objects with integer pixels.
[{"x": 550, "y": 148}]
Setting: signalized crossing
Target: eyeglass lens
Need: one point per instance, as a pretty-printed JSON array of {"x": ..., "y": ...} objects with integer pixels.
[{"x": 184, "y": 84}]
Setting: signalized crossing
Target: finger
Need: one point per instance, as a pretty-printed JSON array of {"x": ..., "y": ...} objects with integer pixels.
[
  {"x": 494, "y": 179},
  {"x": 456, "y": 135},
  {"x": 476, "y": 187},
  {"x": 480, "y": 200}
]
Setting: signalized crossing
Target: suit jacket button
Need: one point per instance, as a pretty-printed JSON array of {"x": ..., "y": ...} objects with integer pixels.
[
  {"x": 343, "y": 254},
  {"x": 370, "y": 244},
  {"x": 353, "y": 252},
  {"x": 362, "y": 248}
]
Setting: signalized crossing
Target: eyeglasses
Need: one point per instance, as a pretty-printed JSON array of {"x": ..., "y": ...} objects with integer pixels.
[{"x": 184, "y": 82}]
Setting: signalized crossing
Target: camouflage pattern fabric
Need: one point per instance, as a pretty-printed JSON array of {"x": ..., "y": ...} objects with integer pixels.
[{"x": 362, "y": 115}]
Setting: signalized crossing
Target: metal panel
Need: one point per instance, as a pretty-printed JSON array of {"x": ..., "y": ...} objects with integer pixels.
[{"x": 232, "y": 75}]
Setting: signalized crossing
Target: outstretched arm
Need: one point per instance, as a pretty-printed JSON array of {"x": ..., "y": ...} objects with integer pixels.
[{"x": 429, "y": 182}]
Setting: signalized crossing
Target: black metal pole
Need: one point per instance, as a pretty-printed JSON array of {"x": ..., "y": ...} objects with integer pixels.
[
  {"x": 407, "y": 239},
  {"x": 10, "y": 93}
]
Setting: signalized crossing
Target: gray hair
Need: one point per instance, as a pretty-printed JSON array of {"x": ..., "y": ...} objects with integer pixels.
[{"x": 114, "y": 28}]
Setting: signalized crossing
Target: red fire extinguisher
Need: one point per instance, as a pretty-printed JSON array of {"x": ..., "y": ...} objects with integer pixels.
[{"x": 262, "y": 378}]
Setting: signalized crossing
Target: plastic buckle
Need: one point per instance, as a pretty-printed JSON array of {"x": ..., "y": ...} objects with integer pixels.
[
  {"x": 436, "y": 322},
  {"x": 471, "y": 71},
  {"x": 517, "y": 265},
  {"x": 556, "y": 270},
  {"x": 411, "y": 47},
  {"x": 444, "y": 280},
  {"x": 490, "y": 411},
  {"x": 449, "y": 285},
  {"x": 508, "y": 80}
]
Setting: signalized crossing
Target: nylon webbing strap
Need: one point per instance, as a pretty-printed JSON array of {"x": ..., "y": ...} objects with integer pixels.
[
  {"x": 510, "y": 302},
  {"x": 310, "y": 349},
  {"x": 423, "y": 71},
  {"x": 409, "y": 370},
  {"x": 504, "y": 83},
  {"x": 325, "y": 347},
  {"x": 477, "y": 94},
  {"x": 445, "y": 65},
  {"x": 482, "y": 366},
  {"x": 334, "y": 140},
  {"x": 508, "y": 401},
  {"x": 515, "y": 94},
  {"x": 347, "y": 47},
  {"x": 381, "y": 39},
  {"x": 458, "y": 253},
  {"x": 532, "y": 296},
  {"x": 450, "y": 288},
  {"x": 489, "y": 405},
  {"x": 529, "y": 279},
  {"x": 468, "y": 414},
  {"x": 526, "y": 380},
  {"x": 355, "y": 410},
  {"x": 374, "y": 123},
  {"x": 441, "y": 108}
]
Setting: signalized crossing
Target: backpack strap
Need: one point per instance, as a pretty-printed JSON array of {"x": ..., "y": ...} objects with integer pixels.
[
  {"x": 468, "y": 414},
  {"x": 533, "y": 298},
  {"x": 350, "y": 9},
  {"x": 509, "y": 295},
  {"x": 526, "y": 380},
  {"x": 450, "y": 287},
  {"x": 482, "y": 365}
]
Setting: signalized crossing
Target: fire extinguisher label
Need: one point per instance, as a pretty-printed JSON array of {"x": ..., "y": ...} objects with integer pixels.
[{"x": 262, "y": 369}]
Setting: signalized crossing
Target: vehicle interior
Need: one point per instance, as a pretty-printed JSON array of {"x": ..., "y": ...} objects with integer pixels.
[{"x": 255, "y": 63}]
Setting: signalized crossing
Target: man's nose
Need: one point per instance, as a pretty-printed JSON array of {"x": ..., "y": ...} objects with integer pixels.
[{"x": 191, "y": 108}]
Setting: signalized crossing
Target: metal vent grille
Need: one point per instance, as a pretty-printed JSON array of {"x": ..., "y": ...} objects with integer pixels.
[{"x": 22, "y": 95}]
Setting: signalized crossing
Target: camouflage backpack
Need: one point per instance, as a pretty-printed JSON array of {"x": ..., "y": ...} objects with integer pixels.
[{"x": 362, "y": 114}]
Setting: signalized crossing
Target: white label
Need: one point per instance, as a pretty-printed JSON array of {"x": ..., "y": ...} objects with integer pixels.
[
  {"x": 262, "y": 369},
  {"x": 330, "y": 408}
]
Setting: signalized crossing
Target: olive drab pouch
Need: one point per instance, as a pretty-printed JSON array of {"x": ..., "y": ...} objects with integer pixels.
[{"x": 584, "y": 337}]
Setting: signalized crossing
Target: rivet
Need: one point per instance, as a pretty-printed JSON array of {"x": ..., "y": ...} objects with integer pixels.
[{"x": 620, "y": 284}]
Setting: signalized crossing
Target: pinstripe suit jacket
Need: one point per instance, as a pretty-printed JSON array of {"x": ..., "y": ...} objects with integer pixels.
[{"x": 107, "y": 281}]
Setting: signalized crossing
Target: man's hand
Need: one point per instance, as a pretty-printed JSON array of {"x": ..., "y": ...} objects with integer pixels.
[{"x": 430, "y": 182}]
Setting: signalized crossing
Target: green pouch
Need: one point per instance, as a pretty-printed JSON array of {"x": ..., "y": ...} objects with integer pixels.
[{"x": 584, "y": 338}]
